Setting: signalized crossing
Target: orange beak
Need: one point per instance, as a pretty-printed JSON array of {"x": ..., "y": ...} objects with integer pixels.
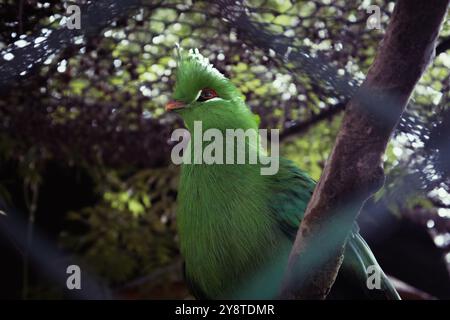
[{"x": 173, "y": 105}]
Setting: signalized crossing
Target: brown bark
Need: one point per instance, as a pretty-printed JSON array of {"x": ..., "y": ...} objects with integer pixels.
[{"x": 354, "y": 170}]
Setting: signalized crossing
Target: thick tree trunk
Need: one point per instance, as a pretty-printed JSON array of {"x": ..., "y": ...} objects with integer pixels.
[{"x": 354, "y": 170}]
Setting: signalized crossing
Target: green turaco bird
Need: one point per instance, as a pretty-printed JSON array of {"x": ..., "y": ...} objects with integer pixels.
[{"x": 237, "y": 226}]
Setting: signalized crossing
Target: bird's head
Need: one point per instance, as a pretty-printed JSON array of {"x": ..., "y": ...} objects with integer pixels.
[{"x": 204, "y": 94}]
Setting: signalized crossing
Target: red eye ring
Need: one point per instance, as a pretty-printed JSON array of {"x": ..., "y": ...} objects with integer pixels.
[{"x": 207, "y": 94}]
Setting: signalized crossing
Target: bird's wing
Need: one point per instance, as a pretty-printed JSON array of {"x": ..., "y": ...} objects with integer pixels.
[{"x": 293, "y": 189}]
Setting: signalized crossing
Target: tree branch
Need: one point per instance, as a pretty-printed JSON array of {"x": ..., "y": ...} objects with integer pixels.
[
  {"x": 302, "y": 126},
  {"x": 354, "y": 170}
]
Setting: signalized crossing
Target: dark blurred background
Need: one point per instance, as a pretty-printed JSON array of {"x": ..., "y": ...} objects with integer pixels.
[{"x": 85, "y": 171}]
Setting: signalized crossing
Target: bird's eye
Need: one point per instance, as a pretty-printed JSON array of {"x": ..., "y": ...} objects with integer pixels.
[{"x": 207, "y": 94}]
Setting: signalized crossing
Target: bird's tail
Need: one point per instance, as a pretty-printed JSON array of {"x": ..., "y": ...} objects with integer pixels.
[{"x": 376, "y": 284}]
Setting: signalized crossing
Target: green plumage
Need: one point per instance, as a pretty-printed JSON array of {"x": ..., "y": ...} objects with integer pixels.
[{"x": 237, "y": 226}]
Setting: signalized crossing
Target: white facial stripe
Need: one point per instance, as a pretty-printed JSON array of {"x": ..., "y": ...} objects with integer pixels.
[
  {"x": 215, "y": 99},
  {"x": 197, "y": 96},
  {"x": 212, "y": 99}
]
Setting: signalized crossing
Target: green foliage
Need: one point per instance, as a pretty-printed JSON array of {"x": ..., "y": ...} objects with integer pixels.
[
  {"x": 130, "y": 232},
  {"x": 311, "y": 150}
]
